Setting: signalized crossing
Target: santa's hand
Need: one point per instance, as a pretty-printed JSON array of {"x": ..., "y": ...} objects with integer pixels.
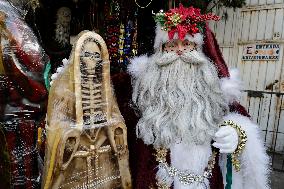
[{"x": 226, "y": 139}]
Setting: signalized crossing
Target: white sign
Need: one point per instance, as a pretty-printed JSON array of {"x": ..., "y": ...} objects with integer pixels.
[{"x": 260, "y": 51}]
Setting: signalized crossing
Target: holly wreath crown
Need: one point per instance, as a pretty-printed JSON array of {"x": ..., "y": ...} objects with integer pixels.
[{"x": 180, "y": 21}]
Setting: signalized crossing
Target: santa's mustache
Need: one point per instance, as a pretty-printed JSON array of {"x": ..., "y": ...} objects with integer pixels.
[{"x": 191, "y": 57}]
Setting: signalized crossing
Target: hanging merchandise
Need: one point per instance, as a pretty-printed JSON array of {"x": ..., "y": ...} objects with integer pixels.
[
  {"x": 121, "y": 34},
  {"x": 134, "y": 44},
  {"x": 121, "y": 43},
  {"x": 112, "y": 25},
  {"x": 127, "y": 44},
  {"x": 125, "y": 41},
  {"x": 23, "y": 96}
]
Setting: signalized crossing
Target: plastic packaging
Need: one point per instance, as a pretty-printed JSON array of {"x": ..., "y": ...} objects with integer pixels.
[{"x": 22, "y": 96}]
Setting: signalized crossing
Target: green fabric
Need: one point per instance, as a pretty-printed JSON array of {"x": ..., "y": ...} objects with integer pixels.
[
  {"x": 229, "y": 172},
  {"x": 46, "y": 75}
]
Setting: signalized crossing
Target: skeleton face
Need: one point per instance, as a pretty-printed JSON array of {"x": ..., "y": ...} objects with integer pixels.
[
  {"x": 90, "y": 54},
  {"x": 64, "y": 15}
]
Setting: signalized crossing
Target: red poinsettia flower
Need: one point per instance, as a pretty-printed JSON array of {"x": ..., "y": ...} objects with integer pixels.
[
  {"x": 183, "y": 20},
  {"x": 171, "y": 33},
  {"x": 184, "y": 12},
  {"x": 182, "y": 30}
]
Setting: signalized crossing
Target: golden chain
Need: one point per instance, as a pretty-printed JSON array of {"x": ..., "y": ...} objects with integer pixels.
[
  {"x": 143, "y": 7},
  {"x": 242, "y": 143}
]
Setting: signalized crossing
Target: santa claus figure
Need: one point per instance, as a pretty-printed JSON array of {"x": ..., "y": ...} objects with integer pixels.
[{"x": 193, "y": 133}]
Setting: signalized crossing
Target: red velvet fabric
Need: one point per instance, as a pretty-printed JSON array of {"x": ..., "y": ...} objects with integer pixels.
[
  {"x": 211, "y": 49},
  {"x": 216, "y": 181}
]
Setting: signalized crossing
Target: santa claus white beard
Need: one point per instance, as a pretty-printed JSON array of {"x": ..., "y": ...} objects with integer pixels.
[{"x": 180, "y": 100}]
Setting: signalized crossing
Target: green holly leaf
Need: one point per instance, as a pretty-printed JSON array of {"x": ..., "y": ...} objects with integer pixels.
[{"x": 160, "y": 18}]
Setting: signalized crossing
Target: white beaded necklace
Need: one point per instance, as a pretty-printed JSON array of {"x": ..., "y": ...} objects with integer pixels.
[{"x": 185, "y": 177}]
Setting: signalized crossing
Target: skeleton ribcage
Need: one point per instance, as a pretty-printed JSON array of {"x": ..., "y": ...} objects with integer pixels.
[{"x": 93, "y": 104}]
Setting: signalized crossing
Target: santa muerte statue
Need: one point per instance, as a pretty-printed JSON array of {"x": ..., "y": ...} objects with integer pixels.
[
  {"x": 193, "y": 133},
  {"x": 86, "y": 135}
]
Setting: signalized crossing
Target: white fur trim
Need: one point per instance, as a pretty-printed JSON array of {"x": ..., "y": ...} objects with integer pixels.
[
  {"x": 65, "y": 61},
  {"x": 138, "y": 65},
  {"x": 163, "y": 37},
  {"x": 232, "y": 86},
  {"x": 193, "y": 158},
  {"x": 163, "y": 176},
  {"x": 59, "y": 71},
  {"x": 255, "y": 167}
]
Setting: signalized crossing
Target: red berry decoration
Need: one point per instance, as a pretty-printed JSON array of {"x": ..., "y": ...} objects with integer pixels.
[{"x": 183, "y": 20}]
